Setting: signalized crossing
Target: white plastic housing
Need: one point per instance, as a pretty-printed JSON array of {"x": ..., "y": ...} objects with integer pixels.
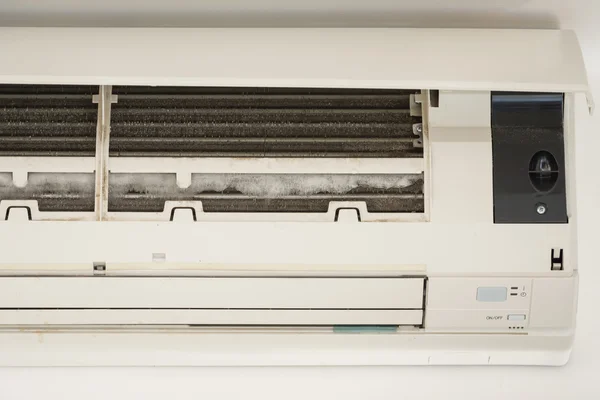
[{"x": 290, "y": 290}]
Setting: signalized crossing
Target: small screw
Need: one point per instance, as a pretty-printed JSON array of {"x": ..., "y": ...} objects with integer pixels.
[
  {"x": 541, "y": 209},
  {"x": 419, "y": 128}
]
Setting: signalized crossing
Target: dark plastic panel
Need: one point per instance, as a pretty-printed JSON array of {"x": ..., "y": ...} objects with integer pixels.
[{"x": 528, "y": 158}]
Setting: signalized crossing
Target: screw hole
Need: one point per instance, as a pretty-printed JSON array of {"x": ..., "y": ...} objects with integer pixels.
[{"x": 99, "y": 266}]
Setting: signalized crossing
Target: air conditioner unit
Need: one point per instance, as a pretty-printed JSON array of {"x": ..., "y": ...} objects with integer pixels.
[{"x": 287, "y": 196}]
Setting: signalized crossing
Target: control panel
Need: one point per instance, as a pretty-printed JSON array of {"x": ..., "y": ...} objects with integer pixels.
[{"x": 482, "y": 303}]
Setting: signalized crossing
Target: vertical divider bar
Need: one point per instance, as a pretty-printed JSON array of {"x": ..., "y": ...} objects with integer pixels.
[
  {"x": 104, "y": 100},
  {"x": 425, "y": 104}
]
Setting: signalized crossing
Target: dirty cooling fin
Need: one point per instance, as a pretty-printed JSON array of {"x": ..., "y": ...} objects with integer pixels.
[
  {"x": 258, "y": 123},
  {"x": 261, "y": 122},
  {"x": 48, "y": 121}
]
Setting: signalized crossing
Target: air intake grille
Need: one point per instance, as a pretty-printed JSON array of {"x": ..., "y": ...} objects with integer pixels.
[
  {"x": 217, "y": 150},
  {"x": 262, "y": 122},
  {"x": 47, "y": 120}
]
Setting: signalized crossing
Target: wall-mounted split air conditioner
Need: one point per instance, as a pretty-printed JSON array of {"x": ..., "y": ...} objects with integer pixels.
[{"x": 287, "y": 196}]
